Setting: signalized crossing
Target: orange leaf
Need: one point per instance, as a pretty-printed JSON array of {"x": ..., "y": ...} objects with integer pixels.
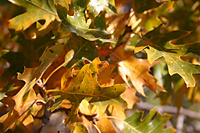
[
  {"x": 130, "y": 97},
  {"x": 104, "y": 77},
  {"x": 137, "y": 71}
]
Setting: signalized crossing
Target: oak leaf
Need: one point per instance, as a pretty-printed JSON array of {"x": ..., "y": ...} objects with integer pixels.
[
  {"x": 85, "y": 85},
  {"x": 160, "y": 45},
  {"x": 137, "y": 70},
  {"x": 77, "y": 23},
  {"x": 36, "y": 10},
  {"x": 135, "y": 124},
  {"x": 130, "y": 97}
]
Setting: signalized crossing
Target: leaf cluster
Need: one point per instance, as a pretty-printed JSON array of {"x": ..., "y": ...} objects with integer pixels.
[{"x": 92, "y": 60}]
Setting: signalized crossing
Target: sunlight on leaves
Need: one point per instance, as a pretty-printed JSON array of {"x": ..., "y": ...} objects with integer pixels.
[
  {"x": 160, "y": 46},
  {"x": 77, "y": 23},
  {"x": 85, "y": 84},
  {"x": 36, "y": 10},
  {"x": 135, "y": 123},
  {"x": 137, "y": 71}
]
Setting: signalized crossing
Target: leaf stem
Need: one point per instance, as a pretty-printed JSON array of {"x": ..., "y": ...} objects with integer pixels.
[{"x": 98, "y": 130}]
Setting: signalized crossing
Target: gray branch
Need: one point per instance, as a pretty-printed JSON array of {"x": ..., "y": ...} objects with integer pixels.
[{"x": 169, "y": 109}]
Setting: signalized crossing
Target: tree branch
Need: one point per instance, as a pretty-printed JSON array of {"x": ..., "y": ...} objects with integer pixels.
[{"x": 169, "y": 109}]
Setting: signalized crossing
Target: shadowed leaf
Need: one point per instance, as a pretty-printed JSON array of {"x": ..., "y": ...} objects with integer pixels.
[
  {"x": 32, "y": 75},
  {"x": 143, "y": 5}
]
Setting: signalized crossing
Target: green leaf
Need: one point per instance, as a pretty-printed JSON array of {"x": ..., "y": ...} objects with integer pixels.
[
  {"x": 160, "y": 45},
  {"x": 36, "y": 10},
  {"x": 9, "y": 87},
  {"x": 143, "y": 5},
  {"x": 77, "y": 23},
  {"x": 135, "y": 124},
  {"x": 32, "y": 75}
]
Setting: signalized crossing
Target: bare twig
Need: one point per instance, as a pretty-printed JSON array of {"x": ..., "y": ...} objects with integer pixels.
[
  {"x": 170, "y": 110},
  {"x": 180, "y": 123}
]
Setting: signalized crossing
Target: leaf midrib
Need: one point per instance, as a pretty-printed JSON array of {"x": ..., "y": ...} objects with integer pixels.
[{"x": 34, "y": 4}]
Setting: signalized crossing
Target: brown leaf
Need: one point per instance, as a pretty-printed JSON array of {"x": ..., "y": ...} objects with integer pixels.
[
  {"x": 120, "y": 3},
  {"x": 121, "y": 54},
  {"x": 14, "y": 116},
  {"x": 104, "y": 77},
  {"x": 137, "y": 71},
  {"x": 117, "y": 23}
]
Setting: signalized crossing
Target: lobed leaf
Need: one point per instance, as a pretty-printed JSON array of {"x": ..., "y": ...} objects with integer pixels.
[
  {"x": 160, "y": 45},
  {"x": 25, "y": 99},
  {"x": 32, "y": 75},
  {"x": 137, "y": 70},
  {"x": 85, "y": 85},
  {"x": 134, "y": 124},
  {"x": 77, "y": 23},
  {"x": 36, "y": 10}
]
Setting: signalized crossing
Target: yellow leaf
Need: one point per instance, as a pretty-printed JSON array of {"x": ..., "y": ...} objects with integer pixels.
[{"x": 119, "y": 113}]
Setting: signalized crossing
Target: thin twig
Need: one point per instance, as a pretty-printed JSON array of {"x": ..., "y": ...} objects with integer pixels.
[{"x": 170, "y": 110}]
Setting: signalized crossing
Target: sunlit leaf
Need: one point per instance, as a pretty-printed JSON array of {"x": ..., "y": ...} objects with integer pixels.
[
  {"x": 85, "y": 84},
  {"x": 135, "y": 123},
  {"x": 160, "y": 46},
  {"x": 96, "y": 6},
  {"x": 23, "y": 115},
  {"x": 101, "y": 108},
  {"x": 137, "y": 71},
  {"x": 120, "y": 114},
  {"x": 36, "y": 10},
  {"x": 130, "y": 97},
  {"x": 77, "y": 23}
]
